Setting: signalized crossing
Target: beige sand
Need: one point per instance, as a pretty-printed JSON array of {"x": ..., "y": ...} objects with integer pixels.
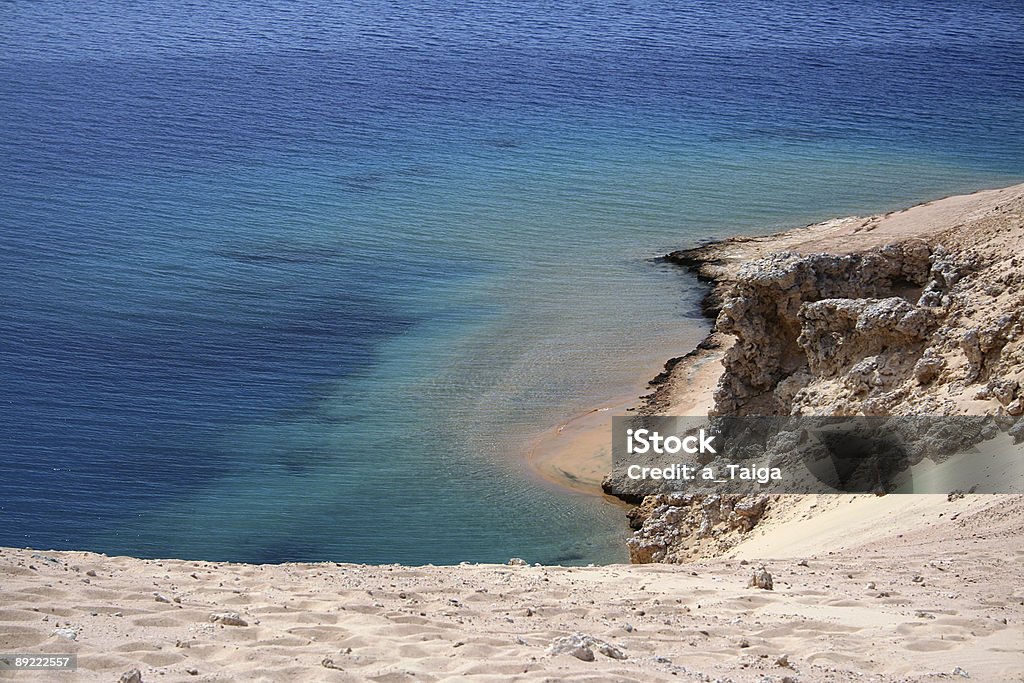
[
  {"x": 944, "y": 590},
  {"x": 576, "y": 454}
]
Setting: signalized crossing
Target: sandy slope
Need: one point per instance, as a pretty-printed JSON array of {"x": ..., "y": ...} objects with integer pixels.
[{"x": 311, "y": 622}]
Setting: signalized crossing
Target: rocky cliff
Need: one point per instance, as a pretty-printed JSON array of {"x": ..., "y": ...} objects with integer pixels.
[{"x": 916, "y": 312}]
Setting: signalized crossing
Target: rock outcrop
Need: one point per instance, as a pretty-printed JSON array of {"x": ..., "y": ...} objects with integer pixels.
[
  {"x": 906, "y": 328},
  {"x": 681, "y": 527}
]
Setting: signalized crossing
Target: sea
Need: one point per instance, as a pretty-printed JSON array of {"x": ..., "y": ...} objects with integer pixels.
[{"x": 296, "y": 281}]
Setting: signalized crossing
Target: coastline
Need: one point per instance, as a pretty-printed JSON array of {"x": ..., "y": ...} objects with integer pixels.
[
  {"x": 890, "y": 588},
  {"x": 718, "y": 264},
  {"x": 572, "y": 458}
]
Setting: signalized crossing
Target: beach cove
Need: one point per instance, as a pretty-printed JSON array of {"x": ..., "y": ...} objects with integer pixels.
[{"x": 823, "y": 588}]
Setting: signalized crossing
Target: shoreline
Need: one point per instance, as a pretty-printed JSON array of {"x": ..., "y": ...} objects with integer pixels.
[
  {"x": 887, "y": 588},
  {"x": 686, "y": 385}
]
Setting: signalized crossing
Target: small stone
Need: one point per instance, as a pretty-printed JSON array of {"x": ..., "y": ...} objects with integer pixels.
[
  {"x": 761, "y": 579},
  {"x": 192, "y": 672},
  {"x": 228, "y": 619},
  {"x": 575, "y": 645},
  {"x": 607, "y": 649},
  {"x": 802, "y": 563},
  {"x": 743, "y": 644},
  {"x": 90, "y": 573},
  {"x": 517, "y": 562},
  {"x": 67, "y": 633},
  {"x": 871, "y": 585},
  {"x": 133, "y": 676},
  {"x": 161, "y": 598},
  {"x": 783, "y": 661},
  {"x": 579, "y": 646},
  {"x": 960, "y": 672}
]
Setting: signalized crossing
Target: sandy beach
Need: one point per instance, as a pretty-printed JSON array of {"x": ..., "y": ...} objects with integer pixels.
[{"x": 860, "y": 588}]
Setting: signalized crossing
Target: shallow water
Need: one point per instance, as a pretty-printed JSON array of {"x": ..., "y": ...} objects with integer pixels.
[{"x": 297, "y": 281}]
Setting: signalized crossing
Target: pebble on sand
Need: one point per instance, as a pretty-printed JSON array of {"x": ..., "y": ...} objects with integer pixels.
[{"x": 228, "y": 619}]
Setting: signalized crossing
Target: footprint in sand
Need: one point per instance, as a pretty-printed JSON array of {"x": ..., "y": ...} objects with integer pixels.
[
  {"x": 929, "y": 645},
  {"x": 14, "y": 638}
]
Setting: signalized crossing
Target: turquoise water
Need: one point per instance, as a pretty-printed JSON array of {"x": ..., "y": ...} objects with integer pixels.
[{"x": 300, "y": 281}]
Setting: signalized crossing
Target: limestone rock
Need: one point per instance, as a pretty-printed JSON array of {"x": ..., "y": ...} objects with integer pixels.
[
  {"x": 928, "y": 368},
  {"x": 1004, "y": 390},
  {"x": 761, "y": 578},
  {"x": 677, "y": 527},
  {"x": 582, "y": 646},
  {"x": 881, "y": 332},
  {"x": 575, "y": 645},
  {"x": 228, "y": 619}
]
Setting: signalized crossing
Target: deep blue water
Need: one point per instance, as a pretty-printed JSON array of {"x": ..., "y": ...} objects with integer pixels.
[{"x": 298, "y": 281}]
